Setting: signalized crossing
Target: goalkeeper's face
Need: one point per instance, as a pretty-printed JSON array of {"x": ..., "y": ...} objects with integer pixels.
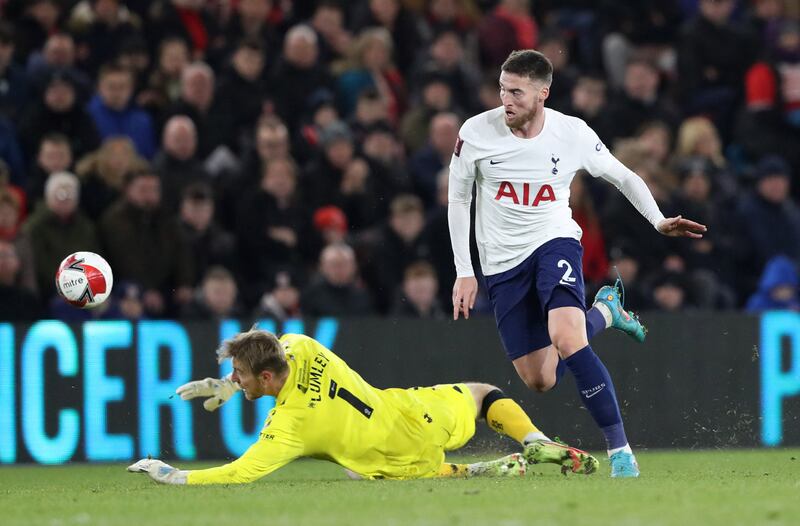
[
  {"x": 265, "y": 383},
  {"x": 250, "y": 383}
]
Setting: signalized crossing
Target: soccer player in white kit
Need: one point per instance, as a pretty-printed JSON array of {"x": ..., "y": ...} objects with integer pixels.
[{"x": 522, "y": 158}]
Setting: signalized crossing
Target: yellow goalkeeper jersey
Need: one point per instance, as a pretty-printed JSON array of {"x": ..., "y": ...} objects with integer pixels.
[{"x": 327, "y": 411}]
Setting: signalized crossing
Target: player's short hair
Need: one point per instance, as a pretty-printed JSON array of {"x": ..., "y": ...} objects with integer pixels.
[
  {"x": 257, "y": 349},
  {"x": 529, "y": 63}
]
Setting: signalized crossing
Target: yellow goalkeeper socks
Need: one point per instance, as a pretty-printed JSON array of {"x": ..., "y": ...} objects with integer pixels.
[
  {"x": 506, "y": 417},
  {"x": 453, "y": 470}
]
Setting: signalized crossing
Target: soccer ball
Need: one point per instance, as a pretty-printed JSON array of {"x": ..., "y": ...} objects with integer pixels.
[{"x": 84, "y": 280}]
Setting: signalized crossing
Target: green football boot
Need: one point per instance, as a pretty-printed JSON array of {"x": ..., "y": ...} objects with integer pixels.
[
  {"x": 569, "y": 458},
  {"x": 627, "y": 322},
  {"x": 513, "y": 465}
]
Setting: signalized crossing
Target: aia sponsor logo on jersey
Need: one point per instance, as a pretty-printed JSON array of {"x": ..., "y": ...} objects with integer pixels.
[
  {"x": 521, "y": 194},
  {"x": 457, "y": 149}
]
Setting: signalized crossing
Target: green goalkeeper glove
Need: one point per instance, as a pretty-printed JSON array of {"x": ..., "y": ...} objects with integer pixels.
[
  {"x": 218, "y": 391},
  {"x": 159, "y": 471}
]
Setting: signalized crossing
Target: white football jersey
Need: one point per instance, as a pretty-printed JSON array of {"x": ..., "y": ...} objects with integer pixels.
[{"x": 522, "y": 186}]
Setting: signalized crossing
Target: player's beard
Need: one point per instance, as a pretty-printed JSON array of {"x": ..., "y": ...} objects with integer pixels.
[{"x": 520, "y": 119}]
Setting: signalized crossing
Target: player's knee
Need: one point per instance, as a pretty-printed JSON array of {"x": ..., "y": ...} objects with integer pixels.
[
  {"x": 540, "y": 385},
  {"x": 568, "y": 341},
  {"x": 538, "y": 382}
]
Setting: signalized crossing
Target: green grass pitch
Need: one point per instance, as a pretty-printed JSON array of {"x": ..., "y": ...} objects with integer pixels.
[{"x": 683, "y": 488}]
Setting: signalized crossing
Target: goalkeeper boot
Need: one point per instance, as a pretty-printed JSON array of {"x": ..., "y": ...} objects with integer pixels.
[
  {"x": 623, "y": 465},
  {"x": 569, "y": 458},
  {"x": 610, "y": 298},
  {"x": 513, "y": 465}
]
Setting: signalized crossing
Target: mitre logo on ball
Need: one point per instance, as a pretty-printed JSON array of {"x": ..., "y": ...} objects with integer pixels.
[{"x": 84, "y": 279}]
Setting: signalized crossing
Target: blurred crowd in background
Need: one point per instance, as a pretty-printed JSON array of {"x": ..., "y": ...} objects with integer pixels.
[{"x": 279, "y": 158}]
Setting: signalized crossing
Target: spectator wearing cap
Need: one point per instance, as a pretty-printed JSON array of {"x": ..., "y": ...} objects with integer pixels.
[
  {"x": 297, "y": 74},
  {"x": 419, "y": 290},
  {"x": 161, "y": 263},
  {"x": 17, "y": 303},
  {"x": 336, "y": 290},
  {"x": 15, "y": 94},
  {"x": 435, "y": 96},
  {"x": 779, "y": 288},
  {"x": 274, "y": 228},
  {"x": 370, "y": 65},
  {"x": 217, "y": 297},
  {"x": 331, "y": 224},
  {"x": 769, "y": 219},
  {"x": 177, "y": 162},
  {"x": 427, "y": 162},
  {"x": 59, "y": 111},
  {"x": 209, "y": 243},
  {"x": 113, "y": 111},
  {"x": 386, "y": 251},
  {"x": 58, "y": 228}
]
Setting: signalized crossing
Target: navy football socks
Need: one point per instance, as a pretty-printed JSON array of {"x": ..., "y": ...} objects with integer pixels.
[
  {"x": 595, "y": 322},
  {"x": 597, "y": 394}
]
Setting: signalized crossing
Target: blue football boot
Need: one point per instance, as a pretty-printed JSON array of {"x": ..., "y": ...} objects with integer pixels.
[
  {"x": 625, "y": 321},
  {"x": 623, "y": 465}
]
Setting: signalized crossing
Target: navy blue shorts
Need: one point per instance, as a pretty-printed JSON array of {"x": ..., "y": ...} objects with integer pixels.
[{"x": 523, "y": 295}]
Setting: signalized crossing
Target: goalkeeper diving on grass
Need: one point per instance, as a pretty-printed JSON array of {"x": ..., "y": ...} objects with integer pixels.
[{"x": 324, "y": 409}]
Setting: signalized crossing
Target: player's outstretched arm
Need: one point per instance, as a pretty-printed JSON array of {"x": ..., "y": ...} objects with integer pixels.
[
  {"x": 680, "y": 227},
  {"x": 217, "y": 390},
  {"x": 464, "y": 292}
]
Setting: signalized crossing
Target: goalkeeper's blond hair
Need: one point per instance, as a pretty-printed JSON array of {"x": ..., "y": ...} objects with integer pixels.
[{"x": 257, "y": 349}]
